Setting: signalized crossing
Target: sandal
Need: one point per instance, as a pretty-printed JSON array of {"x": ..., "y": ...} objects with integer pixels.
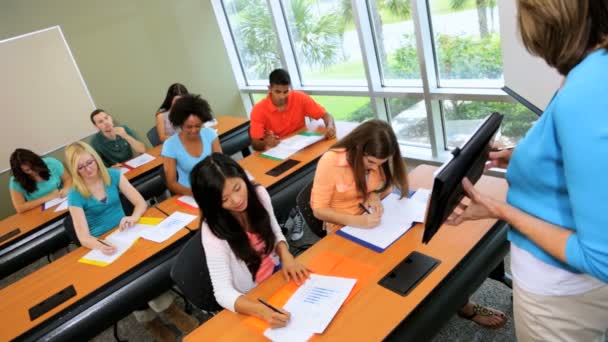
[{"x": 480, "y": 313}]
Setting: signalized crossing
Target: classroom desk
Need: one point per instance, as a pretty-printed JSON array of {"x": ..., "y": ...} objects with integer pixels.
[
  {"x": 234, "y": 134},
  {"x": 103, "y": 294},
  {"x": 170, "y": 205},
  {"x": 467, "y": 253}
]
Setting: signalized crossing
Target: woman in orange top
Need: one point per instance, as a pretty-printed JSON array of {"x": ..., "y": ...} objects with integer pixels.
[
  {"x": 354, "y": 175},
  {"x": 358, "y": 171}
]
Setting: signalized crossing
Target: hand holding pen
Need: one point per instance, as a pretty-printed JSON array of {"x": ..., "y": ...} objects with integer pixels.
[
  {"x": 371, "y": 218},
  {"x": 107, "y": 249},
  {"x": 276, "y": 317},
  {"x": 499, "y": 156},
  {"x": 270, "y": 139}
]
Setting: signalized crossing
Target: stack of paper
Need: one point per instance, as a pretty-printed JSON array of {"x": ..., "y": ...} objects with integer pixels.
[
  {"x": 292, "y": 145},
  {"x": 168, "y": 227},
  {"x": 139, "y": 161},
  {"x": 399, "y": 216},
  {"x": 312, "y": 307}
]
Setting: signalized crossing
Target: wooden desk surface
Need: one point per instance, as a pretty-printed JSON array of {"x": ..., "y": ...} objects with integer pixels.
[
  {"x": 226, "y": 123},
  {"x": 170, "y": 205},
  {"x": 28, "y": 221},
  {"x": 374, "y": 307},
  {"x": 19, "y": 297}
]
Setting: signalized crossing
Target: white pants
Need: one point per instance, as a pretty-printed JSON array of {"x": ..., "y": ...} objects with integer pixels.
[
  {"x": 582, "y": 317},
  {"x": 157, "y": 305}
]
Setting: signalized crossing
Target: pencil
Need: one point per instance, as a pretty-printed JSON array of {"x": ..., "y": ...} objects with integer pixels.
[
  {"x": 103, "y": 243},
  {"x": 364, "y": 208},
  {"x": 270, "y": 306},
  {"x": 502, "y": 148}
]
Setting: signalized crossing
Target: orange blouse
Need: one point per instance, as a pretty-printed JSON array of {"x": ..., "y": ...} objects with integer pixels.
[{"x": 334, "y": 185}]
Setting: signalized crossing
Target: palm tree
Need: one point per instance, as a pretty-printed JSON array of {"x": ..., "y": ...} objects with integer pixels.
[{"x": 483, "y": 6}]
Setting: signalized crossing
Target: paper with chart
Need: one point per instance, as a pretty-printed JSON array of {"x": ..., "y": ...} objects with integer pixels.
[
  {"x": 312, "y": 307},
  {"x": 291, "y": 145},
  {"x": 53, "y": 202},
  {"x": 398, "y": 217},
  {"x": 138, "y": 161},
  {"x": 168, "y": 227}
]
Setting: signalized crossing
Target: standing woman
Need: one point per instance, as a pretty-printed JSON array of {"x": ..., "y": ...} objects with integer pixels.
[
  {"x": 36, "y": 180},
  {"x": 163, "y": 125},
  {"x": 557, "y": 199},
  {"x": 241, "y": 237},
  {"x": 191, "y": 145},
  {"x": 95, "y": 207}
]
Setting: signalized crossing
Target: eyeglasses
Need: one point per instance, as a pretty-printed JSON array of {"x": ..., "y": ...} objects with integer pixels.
[{"x": 86, "y": 164}]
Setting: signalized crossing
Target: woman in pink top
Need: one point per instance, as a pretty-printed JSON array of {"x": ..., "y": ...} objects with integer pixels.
[
  {"x": 358, "y": 171},
  {"x": 241, "y": 237}
]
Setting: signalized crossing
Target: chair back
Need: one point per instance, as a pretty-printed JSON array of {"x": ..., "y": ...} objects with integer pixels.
[
  {"x": 153, "y": 136},
  {"x": 191, "y": 275},
  {"x": 303, "y": 204}
]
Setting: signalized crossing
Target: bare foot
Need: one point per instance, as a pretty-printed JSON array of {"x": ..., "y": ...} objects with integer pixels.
[{"x": 486, "y": 317}]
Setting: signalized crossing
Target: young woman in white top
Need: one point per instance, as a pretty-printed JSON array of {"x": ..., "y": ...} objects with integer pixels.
[
  {"x": 241, "y": 237},
  {"x": 164, "y": 128}
]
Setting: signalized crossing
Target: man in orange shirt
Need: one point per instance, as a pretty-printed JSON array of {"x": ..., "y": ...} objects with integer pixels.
[{"x": 282, "y": 113}]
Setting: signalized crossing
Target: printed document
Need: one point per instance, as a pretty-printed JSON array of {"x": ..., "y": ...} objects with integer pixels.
[
  {"x": 168, "y": 227},
  {"x": 139, "y": 161},
  {"x": 293, "y": 144}
]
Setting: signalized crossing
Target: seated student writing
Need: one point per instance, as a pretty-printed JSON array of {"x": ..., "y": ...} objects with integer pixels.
[
  {"x": 282, "y": 113},
  {"x": 192, "y": 144},
  {"x": 115, "y": 144},
  {"x": 95, "y": 208},
  {"x": 164, "y": 128},
  {"x": 242, "y": 240},
  {"x": 358, "y": 171},
  {"x": 36, "y": 180}
]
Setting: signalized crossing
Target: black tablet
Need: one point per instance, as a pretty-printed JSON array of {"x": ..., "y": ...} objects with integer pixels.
[{"x": 467, "y": 161}]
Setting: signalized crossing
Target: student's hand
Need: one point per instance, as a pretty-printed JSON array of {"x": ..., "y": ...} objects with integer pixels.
[
  {"x": 370, "y": 220},
  {"x": 271, "y": 140},
  {"x": 128, "y": 222},
  {"x": 330, "y": 132},
  {"x": 374, "y": 204},
  {"x": 293, "y": 269},
  {"x": 480, "y": 206},
  {"x": 108, "y": 250},
  {"x": 275, "y": 319},
  {"x": 120, "y": 131},
  {"x": 63, "y": 192},
  {"x": 499, "y": 159}
]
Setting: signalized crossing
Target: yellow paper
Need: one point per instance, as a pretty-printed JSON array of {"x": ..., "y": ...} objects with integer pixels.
[{"x": 153, "y": 221}]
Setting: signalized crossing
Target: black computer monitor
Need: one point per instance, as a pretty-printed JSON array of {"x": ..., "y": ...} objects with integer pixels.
[{"x": 467, "y": 161}]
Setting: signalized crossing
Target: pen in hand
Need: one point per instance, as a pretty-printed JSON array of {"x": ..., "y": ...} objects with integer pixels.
[
  {"x": 104, "y": 243},
  {"x": 364, "y": 208},
  {"x": 270, "y": 306},
  {"x": 502, "y": 148}
]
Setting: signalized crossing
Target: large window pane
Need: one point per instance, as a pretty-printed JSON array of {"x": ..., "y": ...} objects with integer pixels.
[
  {"x": 395, "y": 42},
  {"x": 325, "y": 40},
  {"x": 254, "y": 37},
  {"x": 462, "y": 117},
  {"x": 409, "y": 121},
  {"x": 467, "y": 42}
]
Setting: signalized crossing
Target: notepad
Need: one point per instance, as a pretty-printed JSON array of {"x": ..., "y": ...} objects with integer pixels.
[
  {"x": 168, "y": 227},
  {"x": 138, "y": 161},
  {"x": 399, "y": 216},
  {"x": 312, "y": 307},
  {"x": 291, "y": 145}
]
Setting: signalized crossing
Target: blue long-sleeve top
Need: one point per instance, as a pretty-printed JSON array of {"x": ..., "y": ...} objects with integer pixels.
[{"x": 559, "y": 170}]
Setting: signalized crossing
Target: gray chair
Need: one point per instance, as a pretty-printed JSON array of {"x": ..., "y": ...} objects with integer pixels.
[{"x": 153, "y": 136}]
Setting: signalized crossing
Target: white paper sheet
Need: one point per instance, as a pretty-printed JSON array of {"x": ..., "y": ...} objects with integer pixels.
[
  {"x": 420, "y": 198},
  {"x": 312, "y": 307},
  {"x": 62, "y": 206},
  {"x": 139, "y": 160},
  {"x": 97, "y": 257},
  {"x": 53, "y": 202},
  {"x": 210, "y": 123},
  {"x": 124, "y": 170},
  {"x": 292, "y": 145},
  {"x": 399, "y": 214},
  {"x": 189, "y": 200},
  {"x": 168, "y": 227}
]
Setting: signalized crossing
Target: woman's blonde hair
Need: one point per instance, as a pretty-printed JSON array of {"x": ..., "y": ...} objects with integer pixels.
[
  {"x": 72, "y": 154},
  {"x": 562, "y": 32}
]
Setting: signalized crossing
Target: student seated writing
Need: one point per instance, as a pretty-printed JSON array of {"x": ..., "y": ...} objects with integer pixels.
[
  {"x": 36, "y": 180},
  {"x": 164, "y": 128},
  {"x": 115, "y": 144},
  {"x": 95, "y": 208},
  {"x": 358, "y": 171},
  {"x": 192, "y": 144},
  {"x": 241, "y": 237},
  {"x": 282, "y": 113}
]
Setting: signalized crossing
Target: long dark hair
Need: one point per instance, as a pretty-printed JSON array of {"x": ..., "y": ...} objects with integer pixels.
[
  {"x": 22, "y": 156},
  {"x": 375, "y": 138},
  {"x": 174, "y": 90},
  {"x": 207, "y": 179}
]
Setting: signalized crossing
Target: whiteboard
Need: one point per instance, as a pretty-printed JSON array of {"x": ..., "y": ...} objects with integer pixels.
[
  {"x": 527, "y": 75},
  {"x": 44, "y": 100}
]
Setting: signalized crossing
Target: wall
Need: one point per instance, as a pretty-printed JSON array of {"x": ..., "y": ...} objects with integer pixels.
[{"x": 129, "y": 52}]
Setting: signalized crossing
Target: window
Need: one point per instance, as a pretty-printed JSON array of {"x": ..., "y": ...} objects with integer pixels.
[
  {"x": 346, "y": 108},
  {"x": 254, "y": 37},
  {"x": 325, "y": 41},
  {"x": 409, "y": 121},
  {"x": 462, "y": 117},
  {"x": 467, "y": 43}
]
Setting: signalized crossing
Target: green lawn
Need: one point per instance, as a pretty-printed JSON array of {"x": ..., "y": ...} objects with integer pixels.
[{"x": 341, "y": 106}]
